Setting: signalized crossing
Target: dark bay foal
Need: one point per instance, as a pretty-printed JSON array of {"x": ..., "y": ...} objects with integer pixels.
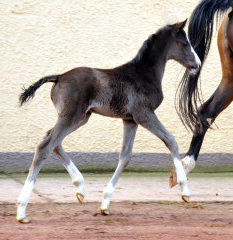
[{"x": 131, "y": 92}]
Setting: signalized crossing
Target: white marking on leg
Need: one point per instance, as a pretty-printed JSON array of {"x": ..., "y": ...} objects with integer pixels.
[
  {"x": 181, "y": 177},
  {"x": 75, "y": 174},
  {"x": 23, "y": 199},
  {"x": 188, "y": 163},
  {"x": 184, "y": 189},
  {"x": 77, "y": 177},
  {"x": 126, "y": 151},
  {"x": 108, "y": 191}
]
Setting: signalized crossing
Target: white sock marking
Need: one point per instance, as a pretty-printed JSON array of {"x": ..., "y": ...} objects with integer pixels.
[
  {"x": 77, "y": 177},
  {"x": 181, "y": 176},
  {"x": 188, "y": 163},
  {"x": 23, "y": 199},
  {"x": 108, "y": 191}
]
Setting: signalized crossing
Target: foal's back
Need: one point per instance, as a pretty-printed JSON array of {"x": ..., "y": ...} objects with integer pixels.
[{"x": 110, "y": 92}]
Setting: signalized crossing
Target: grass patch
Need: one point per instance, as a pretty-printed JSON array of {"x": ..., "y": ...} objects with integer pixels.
[
  {"x": 215, "y": 169},
  {"x": 104, "y": 170}
]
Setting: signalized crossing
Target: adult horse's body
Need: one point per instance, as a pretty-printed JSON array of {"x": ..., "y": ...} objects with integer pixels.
[
  {"x": 131, "y": 92},
  {"x": 200, "y": 35}
]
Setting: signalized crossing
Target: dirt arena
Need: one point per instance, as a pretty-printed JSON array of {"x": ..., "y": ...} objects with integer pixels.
[
  {"x": 136, "y": 212},
  {"x": 128, "y": 220}
]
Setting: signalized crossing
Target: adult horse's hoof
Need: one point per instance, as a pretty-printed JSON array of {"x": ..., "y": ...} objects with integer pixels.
[
  {"x": 104, "y": 211},
  {"x": 24, "y": 220},
  {"x": 172, "y": 179},
  {"x": 185, "y": 199},
  {"x": 80, "y": 197}
]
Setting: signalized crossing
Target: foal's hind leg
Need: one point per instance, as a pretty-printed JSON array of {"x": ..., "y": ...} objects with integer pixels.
[
  {"x": 130, "y": 128},
  {"x": 151, "y": 122},
  {"x": 55, "y": 137},
  {"x": 76, "y": 176}
]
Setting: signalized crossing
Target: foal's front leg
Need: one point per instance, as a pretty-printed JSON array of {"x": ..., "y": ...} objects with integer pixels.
[
  {"x": 152, "y": 123},
  {"x": 130, "y": 128}
]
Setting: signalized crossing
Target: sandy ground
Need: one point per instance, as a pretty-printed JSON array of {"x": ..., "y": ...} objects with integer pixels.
[
  {"x": 142, "y": 207},
  {"x": 131, "y": 187}
]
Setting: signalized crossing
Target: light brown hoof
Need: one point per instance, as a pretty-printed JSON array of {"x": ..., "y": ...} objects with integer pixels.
[
  {"x": 185, "y": 199},
  {"x": 80, "y": 197},
  {"x": 172, "y": 179},
  {"x": 104, "y": 211},
  {"x": 25, "y": 220}
]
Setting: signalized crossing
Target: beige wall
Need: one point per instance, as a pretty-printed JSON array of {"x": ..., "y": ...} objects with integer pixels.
[{"x": 40, "y": 38}]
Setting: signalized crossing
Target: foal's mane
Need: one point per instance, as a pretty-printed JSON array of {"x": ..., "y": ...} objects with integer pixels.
[{"x": 146, "y": 46}]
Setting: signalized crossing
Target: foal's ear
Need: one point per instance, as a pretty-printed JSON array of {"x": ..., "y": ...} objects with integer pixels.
[{"x": 179, "y": 26}]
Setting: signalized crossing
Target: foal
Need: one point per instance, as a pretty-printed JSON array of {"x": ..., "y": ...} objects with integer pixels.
[{"x": 131, "y": 92}]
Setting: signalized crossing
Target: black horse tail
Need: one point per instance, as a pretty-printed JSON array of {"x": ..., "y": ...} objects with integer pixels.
[
  {"x": 200, "y": 31},
  {"x": 30, "y": 92}
]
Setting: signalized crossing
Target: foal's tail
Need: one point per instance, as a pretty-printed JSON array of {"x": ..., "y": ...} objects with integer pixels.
[
  {"x": 30, "y": 92},
  {"x": 200, "y": 33}
]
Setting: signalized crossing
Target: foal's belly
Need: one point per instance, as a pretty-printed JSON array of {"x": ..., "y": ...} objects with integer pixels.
[{"x": 108, "y": 112}]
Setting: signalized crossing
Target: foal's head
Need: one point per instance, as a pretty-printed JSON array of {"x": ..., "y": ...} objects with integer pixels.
[
  {"x": 169, "y": 42},
  {"x": 181, "y": 50}
]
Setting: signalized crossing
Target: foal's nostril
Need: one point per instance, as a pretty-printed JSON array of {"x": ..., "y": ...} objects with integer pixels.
[
  {"x": 194, "y": 66},
  {"x": 194, "y": 69}
]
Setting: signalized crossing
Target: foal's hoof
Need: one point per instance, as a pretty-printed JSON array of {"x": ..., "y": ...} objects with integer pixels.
[
  {"x": 185, "y": 199},
  {"x": 172, "y": 179},
  {"x": 24, "y": 220},
  {"x": 104, "y": 211},
  {"x": 80, "y": 197}
]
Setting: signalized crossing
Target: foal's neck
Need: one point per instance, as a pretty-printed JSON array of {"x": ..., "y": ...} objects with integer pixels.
[{"x": 154, "y": 64}]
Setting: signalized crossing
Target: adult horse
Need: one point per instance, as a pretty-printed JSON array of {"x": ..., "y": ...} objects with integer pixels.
[
  {"x": 200, "y": 31},
  {"x": 131, "y": 92}
]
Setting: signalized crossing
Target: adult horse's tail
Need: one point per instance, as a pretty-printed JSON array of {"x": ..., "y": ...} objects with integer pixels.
[
  {"x": 30, "y": 92},
  {"x": 200, "y": 31}
]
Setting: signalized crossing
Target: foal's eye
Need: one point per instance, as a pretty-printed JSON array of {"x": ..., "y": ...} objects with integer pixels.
[{"x": 185, "y": 44}]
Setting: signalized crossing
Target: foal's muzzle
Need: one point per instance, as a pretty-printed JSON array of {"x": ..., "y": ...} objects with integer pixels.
[{"x": 195, "y": 67}]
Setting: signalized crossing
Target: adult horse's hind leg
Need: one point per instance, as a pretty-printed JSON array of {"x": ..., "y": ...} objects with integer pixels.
[
  {"x": 209, "y": 111},
  {"x": 220, "y": 100},
  {"x": 130, "y": 128},
  {"x": 150, "y": 121}
]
